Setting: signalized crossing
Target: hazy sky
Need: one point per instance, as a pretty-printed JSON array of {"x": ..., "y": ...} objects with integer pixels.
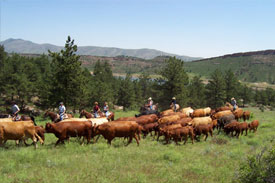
[{"x": 202, "y": 28}]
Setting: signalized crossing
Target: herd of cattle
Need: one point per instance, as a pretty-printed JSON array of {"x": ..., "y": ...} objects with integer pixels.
[{"x": 172, "y": 125}]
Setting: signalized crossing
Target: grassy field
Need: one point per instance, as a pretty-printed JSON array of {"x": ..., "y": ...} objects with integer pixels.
[{"x": 215, "y": 160}]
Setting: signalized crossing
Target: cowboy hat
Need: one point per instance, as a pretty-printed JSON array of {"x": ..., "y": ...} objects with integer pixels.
[
  {"x": 150, "y": 98},
  {"x": 174, "y": 98}
]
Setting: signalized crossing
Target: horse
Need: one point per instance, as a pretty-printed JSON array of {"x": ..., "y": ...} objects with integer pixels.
[
  {"x": 145, "y": 110},
  {"x": 227, "y": 104},
  {"x": 88, "y": 115},
  {"x": 177, "y": 107},
  {"x": 55, "y": 117}
]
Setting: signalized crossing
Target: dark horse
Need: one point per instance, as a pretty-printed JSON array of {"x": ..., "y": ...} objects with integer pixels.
[
  {"x": 111, "y": 117},
  {"x": 55, "y": 117},
  {"x": 144, "y": 110}
]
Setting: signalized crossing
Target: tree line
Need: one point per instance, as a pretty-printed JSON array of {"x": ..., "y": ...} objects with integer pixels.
[{"x": 46, "y": 80}]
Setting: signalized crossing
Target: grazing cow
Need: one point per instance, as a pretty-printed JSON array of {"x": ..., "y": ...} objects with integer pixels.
[
  {"x": 253, "y": 126},
  {"x": 246, "y": 115},
  {"x": 165, "y": 129},
  {"x": 188, "y": 111},
  {"x": 118, "y": 129},
  {"x": 18, "y": 131},
  {"x": 231, "y": 127},
  {"x": 203, "y": 129},
  {"x": 201, "y": 121},
  {"x": 225, "y": 120},
  {"x": 240, "y": 128},
  {"x": 178, "y": 133},
  {"x": 65, "y": 130},
  {"x": 238, "y": 114}
]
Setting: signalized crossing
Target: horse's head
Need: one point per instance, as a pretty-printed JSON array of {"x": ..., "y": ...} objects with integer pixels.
[
  {"x": 82, "y": 113},
  {"x": 46, "y": 114}
]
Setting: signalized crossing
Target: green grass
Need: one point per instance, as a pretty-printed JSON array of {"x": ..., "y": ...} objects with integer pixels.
[{"x": 215, "y": 160}]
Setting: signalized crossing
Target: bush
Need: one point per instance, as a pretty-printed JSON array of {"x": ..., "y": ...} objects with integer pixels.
[{"x": 258, "y": 169}]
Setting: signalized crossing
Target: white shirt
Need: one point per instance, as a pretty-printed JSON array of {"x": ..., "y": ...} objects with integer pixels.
[
  {"x": 14, "y": 108},
  {"x": 62, "y": 109}
]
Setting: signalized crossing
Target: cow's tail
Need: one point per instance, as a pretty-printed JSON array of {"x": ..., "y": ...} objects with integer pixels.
[{"x": 39, "y": 138}]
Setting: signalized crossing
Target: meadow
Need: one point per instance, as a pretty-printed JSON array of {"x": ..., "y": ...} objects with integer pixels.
[{"x": 215, "y": 160}]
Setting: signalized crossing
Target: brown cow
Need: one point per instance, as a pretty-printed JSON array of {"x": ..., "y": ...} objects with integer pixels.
[
  {"x": 118, "y": 129},
  {"x": 253, "y": 126},
  {"x": 203, "y": 129},
  {"x": 231, "y": 127},
  {"x": 168, "y": 119},
  {"x": 238, "y": 113},
  {"x": 240, "y": 128},
  {"x": 246, "y": 115},
  {"x": 178, "y": 133},
  {"x": 166, "y": 112},
  {"x": 148, "y": 128},
  {"x": 65, "y": 130},
  {"x": 126, "y": 119},
  {"x": 218, "y": 115},
  {"x": 18, "y": 131},
  {"x": 224, "y": 108},
  {"x": 201, "y": 112},
  {"x": 165, "y": 129}
]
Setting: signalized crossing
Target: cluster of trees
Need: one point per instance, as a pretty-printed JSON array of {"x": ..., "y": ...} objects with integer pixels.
[{"x": 46, "y": 80}]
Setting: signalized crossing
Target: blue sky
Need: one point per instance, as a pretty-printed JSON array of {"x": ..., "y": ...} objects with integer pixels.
[{"x": 201, "y": 28}]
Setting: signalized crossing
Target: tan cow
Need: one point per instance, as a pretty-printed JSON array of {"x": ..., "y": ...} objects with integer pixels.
[
  {"x": 201, "y": 121},
  {"x": 188, "y": 111},
  {"x": 18, "y": 131}
]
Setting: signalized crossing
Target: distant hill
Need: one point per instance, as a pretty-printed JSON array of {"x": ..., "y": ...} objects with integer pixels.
[
  {"x": 28, "y": 47},
  {"x": 258, "y": 66}
]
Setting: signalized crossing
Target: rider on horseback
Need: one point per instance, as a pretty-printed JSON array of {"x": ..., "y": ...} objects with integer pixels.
[
  {"x": 174, "y": 104},
  {"x": 96, "y": 110},
  {"x": 234, "y": 103},
  {"x": 62, "y": 110},
  {"x": 14, "y": 110},
  {"x": 106, "y": 109},
  {"x": 150, "y": 103}
]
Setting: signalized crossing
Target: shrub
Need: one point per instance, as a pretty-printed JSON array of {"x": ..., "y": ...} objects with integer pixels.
[{"x": 258, "y": 169}]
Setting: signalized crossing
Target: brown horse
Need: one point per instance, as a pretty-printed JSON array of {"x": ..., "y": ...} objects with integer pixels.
[
  {"x": 55, "y": 117},
  {"x": 88, "y": 115}
]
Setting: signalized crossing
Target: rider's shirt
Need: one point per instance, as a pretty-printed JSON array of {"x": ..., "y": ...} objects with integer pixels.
[
  {"x": 105, "y": 108},
  {"x": 14, "y": 108},
  {"x": 62, "y": 109},
  {"x": 96, "y": 108}
]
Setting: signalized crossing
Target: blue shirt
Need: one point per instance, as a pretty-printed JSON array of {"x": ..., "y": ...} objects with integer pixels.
[{"x": 62, "y": 109}]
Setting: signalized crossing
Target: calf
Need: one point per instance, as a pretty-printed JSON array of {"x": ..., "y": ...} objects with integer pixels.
[
  {"x": 253, "y": 125},
  {"x": 246, "y": 115},
  {"x": 240, "y": 128},
  {"x": 65, "y": 130}
]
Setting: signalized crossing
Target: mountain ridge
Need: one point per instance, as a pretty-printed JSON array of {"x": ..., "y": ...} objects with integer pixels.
[{"x": 29, "y": 47}]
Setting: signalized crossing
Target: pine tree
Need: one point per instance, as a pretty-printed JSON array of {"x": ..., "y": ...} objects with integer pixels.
[
  {"x": 67, "y": 75},
  {"x": 231, "y": 85},
  {"x": 173, "y": 82},
  {"x": 126, "y": 93},
  {"x": 216, "y": 90},
  {"x": 245, "y": 94},
  {"x": 197, "y": 93}
]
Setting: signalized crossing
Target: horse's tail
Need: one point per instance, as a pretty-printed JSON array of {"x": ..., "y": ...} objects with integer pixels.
[{"x": 32, "y": 118}]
